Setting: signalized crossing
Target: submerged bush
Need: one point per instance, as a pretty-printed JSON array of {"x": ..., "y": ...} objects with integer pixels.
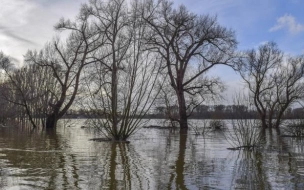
[
  {"x": 295, "y": 128},
  {"x": 206, "y": 126},
  {"x": 245, "y": 134},
  {"x": 203, "y": 130},
  {"x": 217, "y": 125}
]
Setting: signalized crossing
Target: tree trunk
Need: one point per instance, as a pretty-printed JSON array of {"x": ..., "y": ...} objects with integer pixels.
[
  {"x": 280, "y": 115},
  {"x": 264, "y": 122},
  {"x": 114, "y": 100},
  {"x": 183, "y": 118},
  {"x": 51, "y": 121},
  {"x": 279, "y": 119}
]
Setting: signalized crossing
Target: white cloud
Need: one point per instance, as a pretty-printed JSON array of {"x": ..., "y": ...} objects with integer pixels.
[
  {"x": 14, "y": 16},
  {"x": 28, "y": 24},
  {"x": 288, "y": 22},
  {"x": 14, "y": 13}
]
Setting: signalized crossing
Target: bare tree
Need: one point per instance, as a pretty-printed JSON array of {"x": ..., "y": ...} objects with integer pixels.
[
  {"x": 6, "y": 108},
  {"x": 275, "y": 83},
  {"x": 168, "y": 98},
  {"x": 66, "y": 62},
  {"x": 15, "y": 89},
  {"x": 289, "y": 87},
  {"x": 121, "y": 85},
  {"x": 28, "y": 89},
  {"x": 185, "y": 40}
]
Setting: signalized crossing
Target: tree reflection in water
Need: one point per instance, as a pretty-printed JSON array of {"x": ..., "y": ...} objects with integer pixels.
[
  {"x": 126, "y": 167},
  {"x": 119, "y": 172},
  {"x": 178, "y": 175},
  {"x": 248, "y": 172},
  {"x": 36, "y": 159},
  {"x": 155, "y": 159},
  {"x": 60, "y": 160},
  {"x": 276, "y": 165},
  {"x": 122, "y": 170}
]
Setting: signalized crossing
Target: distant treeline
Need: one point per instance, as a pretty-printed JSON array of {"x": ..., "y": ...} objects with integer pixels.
[{"x": 201, "y": 112}]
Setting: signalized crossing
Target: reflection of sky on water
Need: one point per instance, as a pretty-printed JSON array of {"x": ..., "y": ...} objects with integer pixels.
[{"x": 155, "y": 159}]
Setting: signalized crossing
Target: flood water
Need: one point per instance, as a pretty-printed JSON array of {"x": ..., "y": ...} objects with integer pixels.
[{"x": 155, "y": 159}]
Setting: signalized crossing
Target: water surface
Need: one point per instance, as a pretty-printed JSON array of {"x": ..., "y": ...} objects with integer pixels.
[{"x": 155, "y": 159}]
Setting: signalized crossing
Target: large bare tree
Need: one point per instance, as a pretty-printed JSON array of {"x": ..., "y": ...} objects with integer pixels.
[
  {"x": 210, "y": 91},
  {"x": 275, "y": 81},
  {"x": 121, "y": 85},
  {"x": 7, "y": 109},
  {"x": 28, "y": 88},
  {"x": 185, "y": 40},
  {"x": 66, "y": 60}
]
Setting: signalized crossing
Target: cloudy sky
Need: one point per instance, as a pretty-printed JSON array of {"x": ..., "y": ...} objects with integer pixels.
[{"x": 28, "y": 24}]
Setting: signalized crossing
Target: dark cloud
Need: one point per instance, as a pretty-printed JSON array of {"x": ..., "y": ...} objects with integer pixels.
[{"x": 9, "y": 33}]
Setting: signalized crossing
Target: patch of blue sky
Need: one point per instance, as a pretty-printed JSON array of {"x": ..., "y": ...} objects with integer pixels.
[{"x": 258, "y": 21}]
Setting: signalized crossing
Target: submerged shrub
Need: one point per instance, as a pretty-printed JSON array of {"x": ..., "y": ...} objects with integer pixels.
[
  {"x": 295, "y": 128},
  {"x": 245, "y": 134},
  {"x": 201, "y": 129},
  {"x": 217, "y": 125}
]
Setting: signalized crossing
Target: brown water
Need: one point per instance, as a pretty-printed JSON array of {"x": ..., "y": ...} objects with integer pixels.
[{"x": 155, "y": 159}]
